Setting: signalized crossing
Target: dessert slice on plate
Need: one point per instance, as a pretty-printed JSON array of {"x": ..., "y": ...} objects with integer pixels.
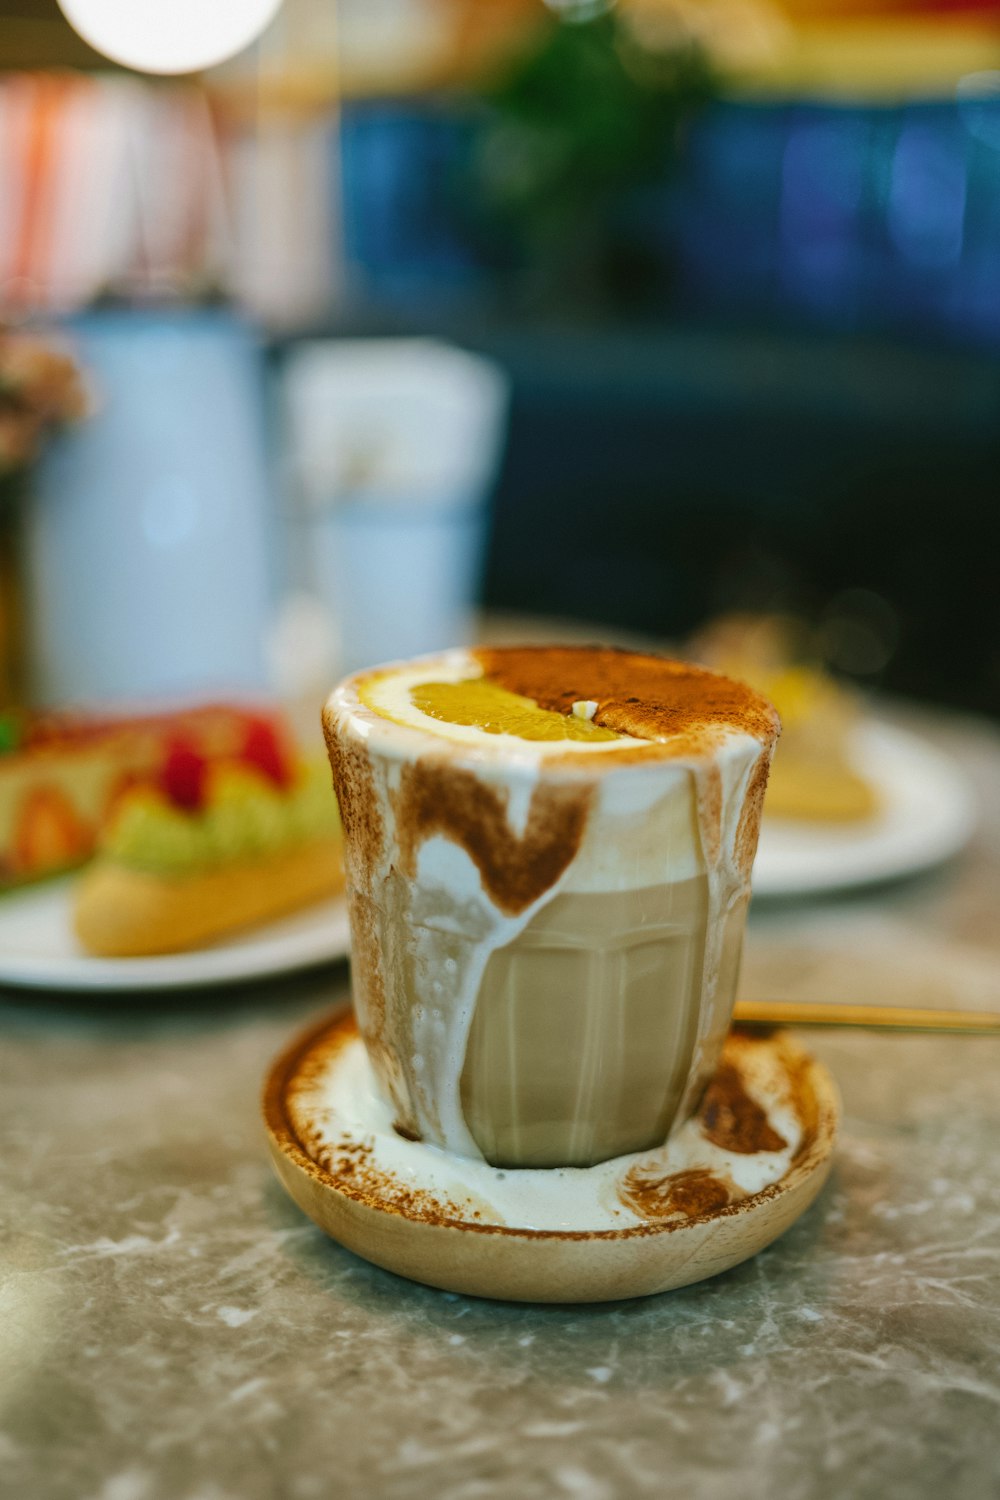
[
  {"x": 61, "y": 773},
  {"x": 209, "y": 844}
]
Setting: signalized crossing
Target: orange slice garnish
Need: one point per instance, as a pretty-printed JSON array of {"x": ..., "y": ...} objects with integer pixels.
[{"x": 485, "y": 705}]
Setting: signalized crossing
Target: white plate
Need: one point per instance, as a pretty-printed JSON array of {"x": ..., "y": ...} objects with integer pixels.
[
  {"x": 37, "y": 948},
  {"x": 927, "y": 814}
]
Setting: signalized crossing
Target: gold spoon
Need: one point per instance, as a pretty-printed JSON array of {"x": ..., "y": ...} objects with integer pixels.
[{"x": 873, "y": 1017}]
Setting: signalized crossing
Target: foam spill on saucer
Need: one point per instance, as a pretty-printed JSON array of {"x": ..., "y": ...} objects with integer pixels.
[{"x": 737, "y": 1146}]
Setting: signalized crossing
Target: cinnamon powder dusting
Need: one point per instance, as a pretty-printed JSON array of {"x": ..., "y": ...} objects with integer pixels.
[
  {"x": 709, "y": 792},
  {"x": 354, "y": 785},
  {"x": 648, "y": 697},
  {"x": 352, "y": 1164},
  {"x": 295, "y": 1114},
  {"x": 515, "y": 871},
  {"x": 802, "y": 1098},
  {"x": 748, "y": 831},
  {"x": 731, "y": 1120},
  {"x": 692, "y": 1194}
]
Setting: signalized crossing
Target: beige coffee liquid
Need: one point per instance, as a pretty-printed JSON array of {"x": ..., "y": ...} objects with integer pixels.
[{"x": 583, "y": 1031}]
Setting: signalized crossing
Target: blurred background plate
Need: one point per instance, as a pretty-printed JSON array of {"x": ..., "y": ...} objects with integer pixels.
[
  {"x": 928, "y": 814},
  {"x": 37, "y": 949}
]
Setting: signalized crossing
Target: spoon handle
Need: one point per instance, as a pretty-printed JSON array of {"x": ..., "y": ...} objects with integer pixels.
[{"x": 874, "y": 1017}]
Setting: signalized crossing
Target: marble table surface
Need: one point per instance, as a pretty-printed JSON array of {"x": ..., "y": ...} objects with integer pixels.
[{"x": 172, "y": 1328}]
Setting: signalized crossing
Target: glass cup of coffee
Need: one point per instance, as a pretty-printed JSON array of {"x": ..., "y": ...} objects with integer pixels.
[{"x": 548, "y": 857}]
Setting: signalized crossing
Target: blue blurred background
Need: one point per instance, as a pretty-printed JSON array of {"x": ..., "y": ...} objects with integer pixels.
[{"x": 737, "y": 263}]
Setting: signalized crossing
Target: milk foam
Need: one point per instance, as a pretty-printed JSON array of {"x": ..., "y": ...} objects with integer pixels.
[{"x": 343, "y": 1106}]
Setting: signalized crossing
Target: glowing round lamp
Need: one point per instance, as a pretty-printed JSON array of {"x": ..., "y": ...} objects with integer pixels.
[{"x": 169, "y": 36}]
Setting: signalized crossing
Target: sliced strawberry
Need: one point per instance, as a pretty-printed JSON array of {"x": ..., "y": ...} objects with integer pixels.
[
  {"x": 264, "y": 750},
  {"x": 183, "y": 776}
]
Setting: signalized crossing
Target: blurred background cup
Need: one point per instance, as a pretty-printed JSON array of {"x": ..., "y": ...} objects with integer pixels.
[
  {"x": 394, "y": 449},
  {"x": 148, "y": 536}
]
